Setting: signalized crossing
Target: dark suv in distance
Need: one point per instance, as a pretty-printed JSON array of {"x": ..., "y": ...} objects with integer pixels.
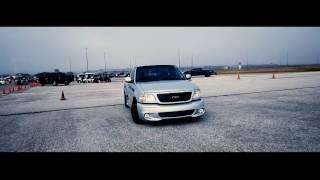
[
  {"x": 54, "y": 78},
  {"x": 97, "y": 78},
  {"x": 200, "y": 72}
]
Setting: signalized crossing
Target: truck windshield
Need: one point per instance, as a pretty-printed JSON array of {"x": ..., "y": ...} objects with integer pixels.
[{"x": 158, "y": 73}]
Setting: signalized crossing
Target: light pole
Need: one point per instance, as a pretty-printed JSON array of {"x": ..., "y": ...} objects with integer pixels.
[
  {"x": 287, "y": 59},
  {"x": 70, "y": 70},
  {"x": 192, "y": 61},
  {"x": 130, "y": 63},
  {"x": 105, "y": 64},
  {"x": 87, "y": 58},
  {"x": 247, "y": 63},
  {"x": 179, "y": 57},
  {"x": 280, "y": 59}
]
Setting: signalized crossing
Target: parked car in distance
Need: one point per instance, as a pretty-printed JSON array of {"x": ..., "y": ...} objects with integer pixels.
[
  {"x": 35, "y": 79},
  {"x": 111, "y": 75},
  {"x": 200, "y": 72},
  {"x": 2, "y": 81},
  {"x": 106, "y": 77},
  {"x": 88, "y": 77},
  {"x": 159, "y": 92},
  {"x": 97, "y": 78},
  {"x": 211, "y": 71},
  {"x": 20, "y": 80},
  {"x": 80, "y": 77},
  {"x": 70, "y": 76},
  {"x": 123, "y": 74}
]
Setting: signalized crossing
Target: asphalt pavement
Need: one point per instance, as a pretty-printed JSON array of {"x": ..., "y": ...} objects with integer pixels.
[{"x": 253, "y": 114}]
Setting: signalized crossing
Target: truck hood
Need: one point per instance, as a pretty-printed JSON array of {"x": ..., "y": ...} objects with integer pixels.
[{"x": 167, "y": 86}]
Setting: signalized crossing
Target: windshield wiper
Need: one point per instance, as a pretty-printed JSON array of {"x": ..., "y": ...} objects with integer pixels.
[
  {"x": 149, "y": 80},
  {"x": 171, "y": 79}
]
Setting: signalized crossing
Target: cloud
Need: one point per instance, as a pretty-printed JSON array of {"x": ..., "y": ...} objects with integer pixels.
[{"x": 27, "y": 49}]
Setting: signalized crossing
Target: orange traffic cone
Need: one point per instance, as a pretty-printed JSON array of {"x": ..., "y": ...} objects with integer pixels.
[
  {"x": 238, "y": 78},
  {"x": 273, "y": 76},
  {"x": 62, "y": 96}
]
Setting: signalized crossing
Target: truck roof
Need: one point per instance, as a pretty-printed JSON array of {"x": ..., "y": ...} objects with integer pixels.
[{"x": 151, "y": 66}]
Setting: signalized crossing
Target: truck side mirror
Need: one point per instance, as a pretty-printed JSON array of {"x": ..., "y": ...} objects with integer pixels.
[
  {"x": 128, "y": 80},
  {"x": 188, "y": 76}
]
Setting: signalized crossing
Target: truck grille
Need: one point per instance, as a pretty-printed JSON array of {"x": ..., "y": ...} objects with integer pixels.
[
  {"x": 176, "y": 113},
  {"x": 174, "y": 97}
]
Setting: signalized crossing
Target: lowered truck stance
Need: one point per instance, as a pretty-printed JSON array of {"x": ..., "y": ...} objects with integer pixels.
[{"x": 155, "y": 93}]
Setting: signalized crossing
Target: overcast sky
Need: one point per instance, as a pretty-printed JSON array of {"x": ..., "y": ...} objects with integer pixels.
[{"x": 37, "y": 49}]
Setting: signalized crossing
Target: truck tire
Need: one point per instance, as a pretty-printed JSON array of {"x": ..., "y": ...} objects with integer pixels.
[{"x": 134, "y": 113}]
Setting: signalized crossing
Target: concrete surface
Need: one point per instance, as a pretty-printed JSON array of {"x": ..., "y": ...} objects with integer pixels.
[{"x": 256, "y": 113}]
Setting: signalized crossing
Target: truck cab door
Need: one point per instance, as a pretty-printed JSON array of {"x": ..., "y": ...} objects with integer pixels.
[{"x": 130, "y": 88}]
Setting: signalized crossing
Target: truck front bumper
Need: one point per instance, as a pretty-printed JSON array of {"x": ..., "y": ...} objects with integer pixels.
[{"x": 157, "y": 112}]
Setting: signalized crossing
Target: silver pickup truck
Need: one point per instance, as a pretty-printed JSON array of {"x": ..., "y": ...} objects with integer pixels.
[{"x": 158, "y": 92}]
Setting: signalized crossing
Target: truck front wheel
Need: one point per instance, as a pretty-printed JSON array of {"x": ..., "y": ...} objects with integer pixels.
[
  {"x": 125, "y": 101},
  {"x": 134, "y": 113}
]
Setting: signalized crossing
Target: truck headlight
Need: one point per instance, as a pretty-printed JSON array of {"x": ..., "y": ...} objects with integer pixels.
[
  {"x": 147, "y": 98},
  {"x": 196, "y": 94}
]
